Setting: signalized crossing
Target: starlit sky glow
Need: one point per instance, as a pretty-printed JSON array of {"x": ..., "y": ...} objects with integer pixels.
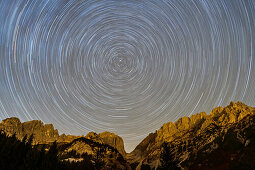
[{"x": 124, "y": 66}]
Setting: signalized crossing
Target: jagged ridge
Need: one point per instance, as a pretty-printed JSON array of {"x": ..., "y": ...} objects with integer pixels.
[
  {"x": 196, "y": 132},
  {"x": 46, "y": 134},
  {"x": 191, "y": 139}
]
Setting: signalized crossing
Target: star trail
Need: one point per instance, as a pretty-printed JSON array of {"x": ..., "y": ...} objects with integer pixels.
[{"x": 125, "y": 66}]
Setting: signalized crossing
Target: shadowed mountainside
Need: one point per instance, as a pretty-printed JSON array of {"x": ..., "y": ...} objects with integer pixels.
[
  {"x": 45, "y": 134},
  {"x": 197, "y": 138},
  {"x": 104, "y": 149},
  {"x": 224, "y": 139}
]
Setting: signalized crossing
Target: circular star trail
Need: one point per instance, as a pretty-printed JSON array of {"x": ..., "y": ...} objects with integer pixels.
[{"x": 123, "y": 66}]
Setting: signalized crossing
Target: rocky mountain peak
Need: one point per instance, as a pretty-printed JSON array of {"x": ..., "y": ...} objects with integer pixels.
[
  {"x": 184, "y": 130},
  {"x": 12, "y": 121},
  {"x": 108, "y": 138},
  {"x": 41, "y": 133},
  {"x": 44, "y": 134},
  {"x": 227, "y": 131},
  {"x": 169, "y": 131},
  {"x": 232, "y": 113}
]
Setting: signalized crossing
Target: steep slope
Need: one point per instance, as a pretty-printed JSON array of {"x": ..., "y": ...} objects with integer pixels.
[
  {"x": 42, "y": 134},
  {"x": 46, "y": 134},
  {"x": 100, "y": 153},
  {"x": 190, "y": 135},
  {"x": 231, "y": 148},
  {"x": 108, "y": 138},
  {"x": 224, "y": 139}
]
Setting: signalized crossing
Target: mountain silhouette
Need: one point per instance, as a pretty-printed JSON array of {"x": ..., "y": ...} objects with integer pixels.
[{"x": 223, "y": 139}]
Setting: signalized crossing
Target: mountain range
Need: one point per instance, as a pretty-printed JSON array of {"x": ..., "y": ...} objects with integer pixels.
[{"x": 223, "y": 139}]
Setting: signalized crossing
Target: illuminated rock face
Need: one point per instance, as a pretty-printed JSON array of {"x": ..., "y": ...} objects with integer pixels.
[
  {"x": 199, "y": 140},
  {"x": 44, "y": 134},
  {"x": 108, "y": 138},
  {"x": 189, "y": 136}
]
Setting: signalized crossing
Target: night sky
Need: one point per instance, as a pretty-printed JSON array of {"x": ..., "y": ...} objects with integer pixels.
[{"x": 125, "y": 66}]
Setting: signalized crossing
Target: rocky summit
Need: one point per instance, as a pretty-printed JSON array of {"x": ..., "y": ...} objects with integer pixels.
[
  {"x": 223, "y": 139},
  {"x": 226, "y": 134},
  {"x": 45, "y": 134},
  {"x": 71, "y": 148},
  {"x": 108, "y": 138},
  {"x": 42, "y": 134}
]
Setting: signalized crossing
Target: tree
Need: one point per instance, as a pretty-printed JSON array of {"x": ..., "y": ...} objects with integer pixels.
[
  {"x": 99, "y": 162},
  {"x": 167, "y": 158}
]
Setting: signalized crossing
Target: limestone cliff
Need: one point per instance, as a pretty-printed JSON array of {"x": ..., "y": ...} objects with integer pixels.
[
  {"x": 197, "y": 131},
  {"x": 42, "y": 133},
  {"x": 108, "y": 138},
  {"x": 45, "y": 134},
  {"x": 97, "y": 150},
  {"x": 223, "y": 139}
]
